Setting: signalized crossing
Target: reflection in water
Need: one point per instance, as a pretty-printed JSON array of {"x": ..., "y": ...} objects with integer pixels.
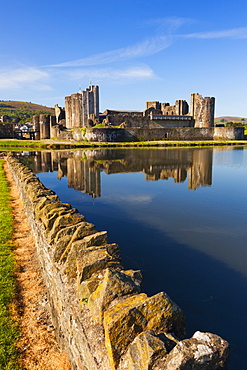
[
  {"x": 83, "y": 170},
  {"x": 191, "y": 244}
]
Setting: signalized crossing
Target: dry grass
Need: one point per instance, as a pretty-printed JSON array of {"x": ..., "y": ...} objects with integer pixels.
[{"x": 37, "y": 346}]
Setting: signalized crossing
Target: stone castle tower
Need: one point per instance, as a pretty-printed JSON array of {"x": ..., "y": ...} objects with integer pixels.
[
  {"x": 81, "y": 107},
  {"x": 202, "y": 110}
]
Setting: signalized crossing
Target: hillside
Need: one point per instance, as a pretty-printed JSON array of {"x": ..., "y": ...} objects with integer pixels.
[
  {"x": 22, "y": 111},
  {"x": 242, "y": 120}
]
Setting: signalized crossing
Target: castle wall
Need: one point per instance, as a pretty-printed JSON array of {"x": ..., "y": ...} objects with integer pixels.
[
  {"x": 202, "y": 110},
  {"x": 131, "y": 119},
  {"x": 170, "y": 121},
  {"x": 99, "y": 313},
  {"x": 153, "y": 104},
  {"x": 179, "y": 109},
  {"x": 142, "y": 134},
  {"x": 150, "y": 134},
  {"x": 153, "y": 120},
  {"x": 6, "y": 130},
  {"x": 229, "y": 133}
]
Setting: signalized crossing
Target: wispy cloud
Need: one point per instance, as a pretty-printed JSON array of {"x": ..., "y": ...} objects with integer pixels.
[
  {"x": 166, "y": 28},
  {"x": 148, "y": 47},
  {"x": 235, "y": 33},
  {"x": 102, "y": 66},
  {"x": 18, "y": 78},
  {"x": 170, "y": 25},
  {"x": 136, "y": 72}
]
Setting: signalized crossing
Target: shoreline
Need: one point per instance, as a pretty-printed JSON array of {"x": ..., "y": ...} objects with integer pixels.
[{"x": 13, "y": 144}]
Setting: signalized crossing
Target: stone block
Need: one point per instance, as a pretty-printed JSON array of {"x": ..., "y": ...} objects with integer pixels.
[
  {"x": 124, "y": 320},
  {"x": 34, "y": 196},
  {"x": 60, "y": 246},
  {"x": 72, "y": 217},
  {"x": 98, "y": 238},
  {"x": 42, "y": 201},
  {"x": 67, "y": 236},
  {"x": 205, "y": 351},
  {"x": 50, "y": 212},
  {"x": 122, "y": 323},
  {"x": 96, "y": 258},
  {"x": 163, "y": 315},
  {"x": 114, "y": 284},
  {"x": 142, "y": 352},
  {"x": 87, "y": 287}
]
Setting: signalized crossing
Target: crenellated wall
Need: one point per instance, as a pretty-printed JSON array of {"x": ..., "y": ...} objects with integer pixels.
[{"x": 100, "y": 314}]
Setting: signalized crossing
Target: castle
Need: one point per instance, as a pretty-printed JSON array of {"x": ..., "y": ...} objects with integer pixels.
[
  {"x": 81, "y": 120},
  {"x": 82, "y": 111}
]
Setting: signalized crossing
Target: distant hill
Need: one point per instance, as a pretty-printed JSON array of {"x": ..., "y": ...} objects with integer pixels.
[
  {"x": 225, "y": 119},
  {"x": 22, "y": 111}
]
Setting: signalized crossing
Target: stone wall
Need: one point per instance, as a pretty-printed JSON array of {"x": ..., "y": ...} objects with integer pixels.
[
  {"x": 42, "y": 125},
  {"x": 154, "y": 134},
  {"x": 135, "y": 134},
  {"x": 60, "y": 133},
  {"x": 157, "y": 132},
  {"x": 151, "y": 118},
  {"x": 100, "y": 315},
  {"x": 229, "y": 133},
  {"x": 6, "y": 130},
  {"x": 134, "y": 119}
]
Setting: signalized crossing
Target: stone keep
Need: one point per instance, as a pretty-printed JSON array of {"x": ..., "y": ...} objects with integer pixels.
[
  {"x": 81, "y": 107},
  {"x": 202, "y": 110}
]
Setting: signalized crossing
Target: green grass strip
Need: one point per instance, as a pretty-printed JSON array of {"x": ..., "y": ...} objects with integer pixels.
[
  {"x": 20, "y": 145},
  {"x": 9, "y": 332}
]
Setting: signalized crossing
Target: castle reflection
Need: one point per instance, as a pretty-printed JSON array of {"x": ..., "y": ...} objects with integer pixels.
[{"x": 83, "y": 168}]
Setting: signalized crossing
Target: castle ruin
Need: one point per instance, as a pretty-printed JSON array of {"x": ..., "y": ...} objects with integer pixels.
[
  {"x": 82, "y": 111},
  {"x": 81, "y": 120}
]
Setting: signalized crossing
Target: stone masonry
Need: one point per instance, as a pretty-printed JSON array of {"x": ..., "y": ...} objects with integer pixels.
[
  {"x": 100, "y": 314},
  {"x": 202, "y": 109},
  {"x": 82, "y": 107}
]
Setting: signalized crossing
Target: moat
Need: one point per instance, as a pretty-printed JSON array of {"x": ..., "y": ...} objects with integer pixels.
[{"x": 178, "y": 215}]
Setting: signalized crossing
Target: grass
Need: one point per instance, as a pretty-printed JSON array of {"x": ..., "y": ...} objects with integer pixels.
[
  {"x": 9, "y": 332},
  {"x": 14, "y": 145}
]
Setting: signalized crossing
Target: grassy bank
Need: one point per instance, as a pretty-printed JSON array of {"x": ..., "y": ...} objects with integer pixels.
[
  {"x": 8, "y": 328},
  {"x": 6, "y": 144}
]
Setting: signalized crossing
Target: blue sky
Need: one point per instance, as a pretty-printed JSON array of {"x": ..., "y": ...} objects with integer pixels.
[{"x": 135, "y": 50}]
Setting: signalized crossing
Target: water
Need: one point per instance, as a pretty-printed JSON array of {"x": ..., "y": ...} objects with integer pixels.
[{"x": 179, "y": 215}]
